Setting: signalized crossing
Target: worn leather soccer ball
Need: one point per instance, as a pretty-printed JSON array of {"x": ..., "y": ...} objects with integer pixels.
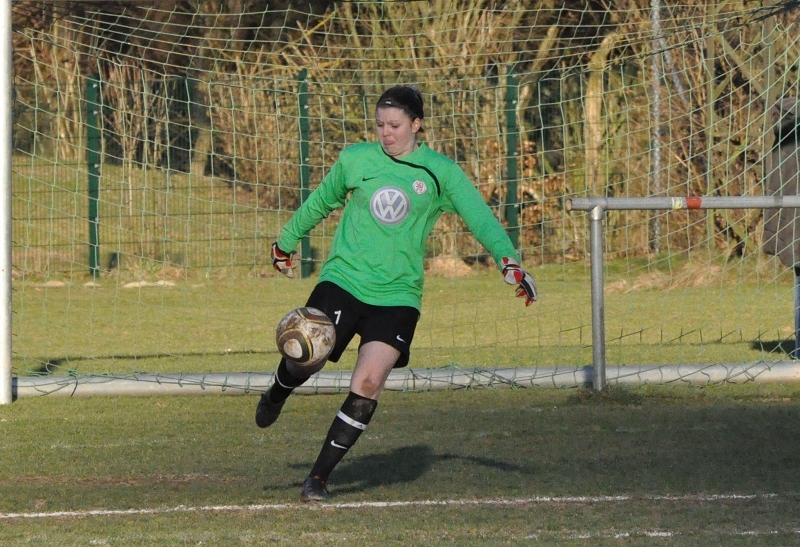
[{"x": 305, "y": 336}]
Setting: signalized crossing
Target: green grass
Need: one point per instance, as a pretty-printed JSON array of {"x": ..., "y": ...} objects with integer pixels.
[
  {"x": 151, "y": 217},
  {"x": 676, "y": 458},
  {"x": 226, "y": 325}
]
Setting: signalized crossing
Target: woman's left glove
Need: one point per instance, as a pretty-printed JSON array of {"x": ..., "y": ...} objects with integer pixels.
[{"x": 514, "y": 274}]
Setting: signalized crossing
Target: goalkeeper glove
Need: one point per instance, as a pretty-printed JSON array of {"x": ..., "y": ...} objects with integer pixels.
[
  {"x": 514, "y": 274},
  {"x": 282, "y": 261}
]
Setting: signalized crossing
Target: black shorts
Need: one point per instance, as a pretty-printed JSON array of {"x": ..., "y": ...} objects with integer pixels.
[{"x": 393, "y": 325}]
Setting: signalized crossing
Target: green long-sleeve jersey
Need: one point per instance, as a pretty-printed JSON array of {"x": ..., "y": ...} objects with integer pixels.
[{"x": 390, "y": 207}]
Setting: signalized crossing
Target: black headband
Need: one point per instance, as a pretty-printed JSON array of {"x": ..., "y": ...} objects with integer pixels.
[{"x": 404, "y": 97}]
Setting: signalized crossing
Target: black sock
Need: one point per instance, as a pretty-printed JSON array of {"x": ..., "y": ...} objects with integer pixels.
[
  {"x": 284, "y": 384},
  {"x": 348, "y": 425}
]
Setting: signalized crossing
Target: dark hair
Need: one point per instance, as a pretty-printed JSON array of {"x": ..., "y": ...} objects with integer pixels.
[{"x": 406, "y": 98}]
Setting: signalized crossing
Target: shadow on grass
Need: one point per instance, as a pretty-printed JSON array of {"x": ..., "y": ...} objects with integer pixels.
[
  {"x": 774, "y": 346},
  {"x": 404, "y": 465},
  {"x": 62, "y": 365},
  {"x": 611, "y": 395}
]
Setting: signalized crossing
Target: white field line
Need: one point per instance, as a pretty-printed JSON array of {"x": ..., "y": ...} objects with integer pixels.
[
  {"x": 668, "y": 534},
  {"x": 541, "y": 500}
]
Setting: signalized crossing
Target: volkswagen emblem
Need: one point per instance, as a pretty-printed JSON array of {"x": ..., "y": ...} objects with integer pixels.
[{"x": 389, "y": 205}]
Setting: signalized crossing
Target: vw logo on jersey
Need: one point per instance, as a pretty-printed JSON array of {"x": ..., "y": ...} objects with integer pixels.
[{"x": 389, "y": 205}]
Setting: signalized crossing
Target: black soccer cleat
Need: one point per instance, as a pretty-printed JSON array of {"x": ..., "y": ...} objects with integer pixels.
[
  {"x": 314, "y": 490},
  {"x": 267, "y": 411}
]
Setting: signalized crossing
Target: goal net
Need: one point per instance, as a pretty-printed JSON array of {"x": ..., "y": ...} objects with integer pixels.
[{"x": 159, "y": 147}]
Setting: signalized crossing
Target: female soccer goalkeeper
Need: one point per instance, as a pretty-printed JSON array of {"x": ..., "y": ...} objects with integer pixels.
[{"x": 392, "y": 191}]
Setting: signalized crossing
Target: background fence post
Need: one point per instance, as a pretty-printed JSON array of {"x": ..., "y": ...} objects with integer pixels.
[
  {"x": 302, "y": 97},
  {"x": 512, "y": 144},
  {"x": 93, "y": 168}
]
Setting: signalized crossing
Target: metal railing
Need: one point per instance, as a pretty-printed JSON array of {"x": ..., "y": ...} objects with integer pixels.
[{"x": 597, "y": 206}]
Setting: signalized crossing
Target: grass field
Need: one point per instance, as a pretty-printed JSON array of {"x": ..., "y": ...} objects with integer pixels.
[
  {"x": 648, "y": 465},
  {"x": 633, "y": 466}
]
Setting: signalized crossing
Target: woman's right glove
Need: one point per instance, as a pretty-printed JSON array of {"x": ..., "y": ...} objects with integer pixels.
[{"x": 514, "y": 274}]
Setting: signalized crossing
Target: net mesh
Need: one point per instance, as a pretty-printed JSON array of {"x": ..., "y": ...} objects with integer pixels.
[{"x": 159, "y": 147}]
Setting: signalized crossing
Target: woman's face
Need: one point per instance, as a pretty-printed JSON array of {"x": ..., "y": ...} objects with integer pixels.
[{"x": 396, "y": 131}]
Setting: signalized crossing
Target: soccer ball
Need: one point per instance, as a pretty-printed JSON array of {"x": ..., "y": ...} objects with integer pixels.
[{"x": 305, "y": 336}]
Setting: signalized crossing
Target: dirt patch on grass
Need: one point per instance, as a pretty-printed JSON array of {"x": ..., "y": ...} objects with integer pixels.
[
  {"x": 690, "y": 276},
  {"x": 149, "y": 480},
  {"x": 448, "y": 266}
]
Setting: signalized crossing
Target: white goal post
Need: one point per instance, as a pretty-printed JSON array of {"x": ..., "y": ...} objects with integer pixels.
[
  {"x": 6, "y": 94},
  {"x": 597, "y": 207}
]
